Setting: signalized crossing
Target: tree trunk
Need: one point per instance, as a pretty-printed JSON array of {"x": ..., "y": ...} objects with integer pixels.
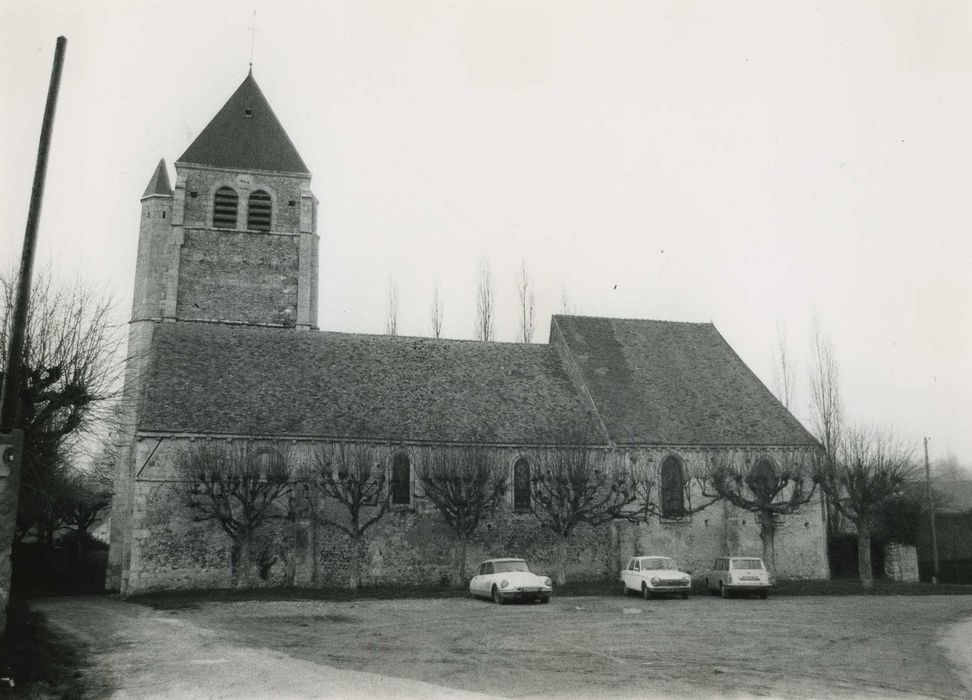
[
  {"x": 562, "y": 560},
  {"x": 313, "y": 540},
  {"x": 461, "y": 563},
  {"x": 292, "y": 559},
  {"x": 767, "y": 534},
  {"x": 354, "y": 580},
  {"x": 864, "y": 552},
  {"x": 241, "y": 562}
]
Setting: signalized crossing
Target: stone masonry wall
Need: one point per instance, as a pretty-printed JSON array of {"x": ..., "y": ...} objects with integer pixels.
[
  {"x": 411, "y": 545},
  {"x": 242, "y": 277}
]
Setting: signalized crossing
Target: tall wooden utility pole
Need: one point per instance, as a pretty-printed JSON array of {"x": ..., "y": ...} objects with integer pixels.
[
  {"x": 931, "y": 510},
  {"x": 11, "y": 439}
]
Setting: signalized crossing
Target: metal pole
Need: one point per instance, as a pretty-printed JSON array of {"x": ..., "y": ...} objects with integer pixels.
[
  {"x": 931, "y": 510},
  {"x": 11, "y": 380},
  {"x": 10, "y": 399}
]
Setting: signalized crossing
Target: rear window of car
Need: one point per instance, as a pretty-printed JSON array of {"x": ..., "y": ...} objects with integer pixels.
[
  {"x": 502, "y": 567},
  {"x": 747, "y": 563}
]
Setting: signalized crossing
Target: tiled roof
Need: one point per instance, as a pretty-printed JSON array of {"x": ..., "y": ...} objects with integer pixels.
[
  {"x": 159, "y": 184},
  {"x": 245, "y": 135},
  {"x": 674, "y": 383},
  {"x": 261, "y": 381}
]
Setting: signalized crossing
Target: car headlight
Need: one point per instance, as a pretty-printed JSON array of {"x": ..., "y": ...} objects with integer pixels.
[
  {"x": 504, "y": 583},
  {"x": 655, "y": 580},
  {"x": 548, "y": 583}
]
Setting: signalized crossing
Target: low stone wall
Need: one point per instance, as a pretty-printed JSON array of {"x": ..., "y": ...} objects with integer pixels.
[{"x": 901, "y": 562}]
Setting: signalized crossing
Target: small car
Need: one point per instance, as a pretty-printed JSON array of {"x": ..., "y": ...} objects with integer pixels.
[
  {"x": 509, "y": 579},
  {"x": 731, "y": 575},
  {"x": 653, "y": 576}
]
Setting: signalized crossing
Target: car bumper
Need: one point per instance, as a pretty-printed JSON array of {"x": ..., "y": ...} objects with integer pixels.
[
  {"x": 526, "y": 594},
  {"x": 749, "y": 586},
  {"x": 670, "y": 589}
]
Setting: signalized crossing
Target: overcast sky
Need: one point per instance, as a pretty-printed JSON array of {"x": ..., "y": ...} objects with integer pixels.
[{"x": 733, "y": 162}]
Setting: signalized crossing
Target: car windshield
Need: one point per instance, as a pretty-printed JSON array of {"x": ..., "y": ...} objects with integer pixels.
[
  {"x": 502, "y": 567},
  {"x": 747, "y": 564},
  {"x": 659, "y": 563}
]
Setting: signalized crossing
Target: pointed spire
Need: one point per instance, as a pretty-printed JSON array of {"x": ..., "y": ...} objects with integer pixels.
[
  {"x": 159, "y": 184},
  {"x": 245, "y": 135}
]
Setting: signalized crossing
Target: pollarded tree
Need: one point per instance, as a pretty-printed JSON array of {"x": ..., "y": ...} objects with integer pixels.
[
  {"x": 465, "y": 483},
  {"x": 661, "y": 490},
  {"x": 769, "y": 489},
  {"x": 352, "y": 475},
  {"x": 871, "y": 469},
  {"x": 238, "y": 485},
  {"x": 577, "y": 483}
]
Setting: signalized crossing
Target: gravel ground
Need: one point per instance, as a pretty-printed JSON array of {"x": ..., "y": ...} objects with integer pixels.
[{"x": 571, "y": 648}]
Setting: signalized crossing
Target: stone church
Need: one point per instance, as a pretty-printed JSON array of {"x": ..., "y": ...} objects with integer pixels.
[{"x": 224, "y": 344}]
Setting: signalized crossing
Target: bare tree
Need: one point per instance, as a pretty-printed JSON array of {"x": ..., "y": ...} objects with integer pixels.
[
  {"x": 485, "y": 307},
  {"x": 871, "y": 468},
  {"x": 465, "y": 484},
  {"x": 527, "y": 304},
  {"x": 769, "y": 489},
  {"x": 565, "y": 306},
  {"x": 391, "y": 308},
  {"x": 826, "y": 409},
  {"x": 71, "y": 371},
  {"x": 352, "y": 475},
  {"x": 645, "y": 481},
  {"x": 783, "y": 375},
  {"x": 237, "y": 484},
  {"x": 577, "y": 483},
  {"x": 437, "y": 311}
]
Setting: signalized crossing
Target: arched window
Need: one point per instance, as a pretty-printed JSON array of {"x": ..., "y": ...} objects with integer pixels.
[
  {"x": 258, "y": 211},
  {"x": 672, "y": 488},
  {"x": 521, "y": 486},
  {"x": 763, "y": 481},
  {"x": 401, "y": 480},
  {"x": 225, "y": 204}
]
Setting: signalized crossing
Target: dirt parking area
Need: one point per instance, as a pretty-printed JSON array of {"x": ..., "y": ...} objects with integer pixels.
[{"x": 573, "y": 647}]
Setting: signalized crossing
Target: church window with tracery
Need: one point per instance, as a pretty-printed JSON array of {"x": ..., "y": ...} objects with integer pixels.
[
  {"x": 258, "y": 212},
  {"x": 225, "y": 204},
  {"x": 672, "y": 488},
  {"x": 401, "y": 480}
]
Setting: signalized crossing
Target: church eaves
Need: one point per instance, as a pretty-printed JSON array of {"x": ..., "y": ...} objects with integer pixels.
[
  {"x": 159, "y": 184},
  {"x": 245, "y": 135}
]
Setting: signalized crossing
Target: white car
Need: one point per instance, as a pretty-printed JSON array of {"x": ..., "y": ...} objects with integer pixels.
[
  {"x": 509, "y": 579},
  {"x": 653, "y": 576},
  {"x": 738, "y": 575}
]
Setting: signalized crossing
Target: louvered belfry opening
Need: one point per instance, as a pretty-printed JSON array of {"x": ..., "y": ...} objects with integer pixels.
[
  {"x": 225, "y": 204},
  {"x": 258, "y": 216}
]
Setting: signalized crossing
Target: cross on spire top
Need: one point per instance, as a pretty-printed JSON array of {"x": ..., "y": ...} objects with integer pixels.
[{"x": 253, "y": 30}]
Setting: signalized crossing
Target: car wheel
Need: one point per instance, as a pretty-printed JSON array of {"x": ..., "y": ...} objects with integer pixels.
[
  {"x": 497, "y": 598},
  {"x": 685, "y": 596},
  {"x": 723, "y": 591},
  {"x": 646, "y": 592},
  {"x": 624, "y": 588},
  {"x": 763, "y": 594},
  {"x": 544, "y": 599}
]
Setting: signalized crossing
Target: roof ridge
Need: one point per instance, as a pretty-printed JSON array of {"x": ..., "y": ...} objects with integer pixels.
[{"x": 638, "y": 320}]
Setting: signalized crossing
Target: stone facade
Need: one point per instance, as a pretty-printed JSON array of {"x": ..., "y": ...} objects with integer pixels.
[{"x": 411, "y": 545}]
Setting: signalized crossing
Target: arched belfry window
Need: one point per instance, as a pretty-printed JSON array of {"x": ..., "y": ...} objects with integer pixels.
[
  {"x": 225, "y": 204},
  {"x": 258, "y": 211},
  {"x": 521, "y": 486},
  {"x": 401, "y": 480},
  {"x": 672, "y": 488}
]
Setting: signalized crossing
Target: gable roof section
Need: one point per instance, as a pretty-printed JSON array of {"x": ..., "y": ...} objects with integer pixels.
[
  {"x": 659, "y": 382},
  {"x": 215, "y": 379},
  {"x": 245, "y": 135}
]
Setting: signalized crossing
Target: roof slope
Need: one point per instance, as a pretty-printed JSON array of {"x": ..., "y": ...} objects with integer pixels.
[
  {"x": 245, "y": 135},
  {"x": 159, "y": 184},
  {"x": 674, "y": 383},
  {"x": 259, "y": 381}
]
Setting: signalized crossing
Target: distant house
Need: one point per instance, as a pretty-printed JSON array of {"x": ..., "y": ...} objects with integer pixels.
[{"x": 953, "y": 524}]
